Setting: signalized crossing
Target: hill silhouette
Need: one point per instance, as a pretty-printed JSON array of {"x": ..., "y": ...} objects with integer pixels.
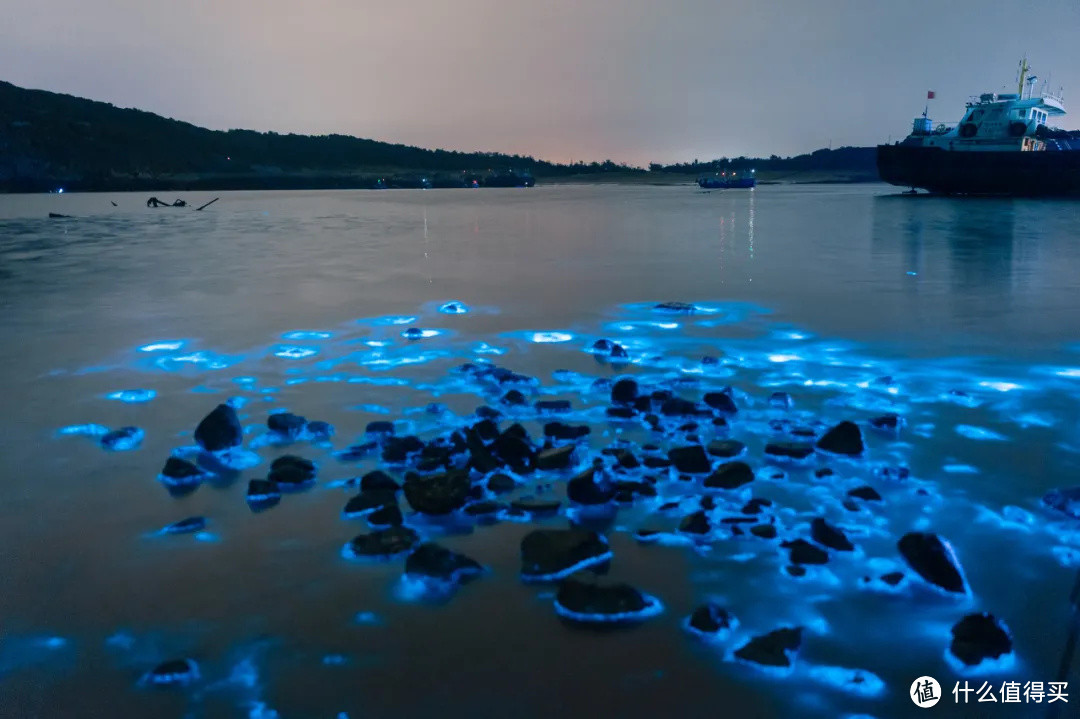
[{"x": 50, "y": 140}]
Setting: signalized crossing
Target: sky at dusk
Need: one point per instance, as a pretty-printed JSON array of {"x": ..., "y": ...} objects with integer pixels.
[{"x": 635, "y": 81}]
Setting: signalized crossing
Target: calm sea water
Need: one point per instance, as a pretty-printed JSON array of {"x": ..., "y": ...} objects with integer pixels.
[{"x": 812, "y": 290}]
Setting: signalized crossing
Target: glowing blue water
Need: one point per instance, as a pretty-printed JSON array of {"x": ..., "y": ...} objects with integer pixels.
[{"x": 977, "y": 353}]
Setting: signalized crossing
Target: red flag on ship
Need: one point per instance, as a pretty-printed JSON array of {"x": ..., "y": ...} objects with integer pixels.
[{"x": 929, "y": 94}]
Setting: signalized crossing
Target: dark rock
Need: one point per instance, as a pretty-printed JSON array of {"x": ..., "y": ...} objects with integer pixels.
[
  {"x": 219, "y": 430},
  {"x": 593, "y": 601},
  {"x": 319, "y": 431},
  {"x": 730, "y": 475},
  {"x": 789, "y": 450},
  {"x": 555, "y": 458},
  {"x": 978, "y": 637},
  {"x": 486, "y": 429},
  {"x": 552, "y": 406},
  {"x": 379, "y": 428},
  {"x": 1066, "y": 501},
  {"x": 388, "y": 515},
  {"x": 707, "y": 503},
  {"x": 376, "y": 480},
  {"x": 180, "y": 473},
  {"x": 627, "y": 459},
  {"x": 558, "y": 430},
  {"x": 755, "y": 505},
  {"x": 675, "y": 307},
  {"x": 657, "y": 462},
  {"x": 397, "y": 450},
  {"x": 501, "y": 483},
  {"x": 823, "y": 473},
  {"x": 887, "y": 422},
  {"x": 618, "y": 351},
  {"x": 584, "y": 489},
  {"x": 679, "y": 407},
  {"x": 122, "y": 439},
  {"x": 795, "y": 570},
  {"x": 357, "y": 452},
  {"x": 710, "y": 619},
  {"x": 642, "y": 404},
  {"x": 726, "y": 448},
  {"x": 517, "y": 453},
  {"x": 668, "y": 506},
  {"x": 892, "y": 578},
  {"x": 845, "y": 438},
  {"x": 480, "y": 509},
  {"x": 802, "y": 552},
  {"x": 866, "y": 493},
  {"x": 643, "y": 489},
  {"x": 781, "y": 400},
  {"x": 934, "y": 560},
  {"x": 290, "y": 472},
  {"x": 829, "y": 536},
  {"x": 764, "y": 531},
  {"x": 535, "y": 505},
  {"x": 368, "y": 501},
  {"x": 721, "y": 401},
  {"x": 549, "y": 554},
  {"x": 480, "y": 458},
  {"x": 696, "y": 523},
  {"x": 892, "y": 474},
  {"x": 602, "y": 345},
  {"x": 487, "y": 413},
  {"x": 435, "y": 562},
  {"x": 691, "y": 459},
  {"x": 514, "y": 398},
  {"x": 382, "y": 543},
  {"x": 286, "y": 423},
  {"x": 438, "y": 494},
  {"x": 186, "y": 526},
  {"x": 413, "y": 333},
  {"x": 517, "y": 431},
  {"x": 175, "y": 672},
  {"x": 620, "y": 412},
  {"x": 775, "y": 649}
]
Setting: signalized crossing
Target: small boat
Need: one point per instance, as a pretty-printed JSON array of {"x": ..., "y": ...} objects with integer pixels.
[
  {"x": 1001, "y": 146},
  {"x": 723, "y": 181}
]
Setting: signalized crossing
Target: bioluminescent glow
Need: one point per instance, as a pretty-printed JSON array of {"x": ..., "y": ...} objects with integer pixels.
[
  {"x": 132, "y": 396},
  {"x": 303, "y": 335},
  {"x": 294, "y": 352},
  {"x": 416, "y": 333},
  {"x": 979, "y": 433},
  {"x": 454, "y": 308},
  {"x": 653, "y": 607},
  {"x": 550, "y": 337},
  {"x": 195, "y": 360},
  {"x": 483, "y": 348},
  {"x": 163, "y": 346}
]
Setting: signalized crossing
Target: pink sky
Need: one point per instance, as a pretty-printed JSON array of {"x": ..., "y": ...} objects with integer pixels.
[{"x": 631, "y": 80}]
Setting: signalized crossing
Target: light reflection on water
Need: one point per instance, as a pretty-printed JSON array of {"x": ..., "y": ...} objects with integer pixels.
[{"x": 830, "y": 309}]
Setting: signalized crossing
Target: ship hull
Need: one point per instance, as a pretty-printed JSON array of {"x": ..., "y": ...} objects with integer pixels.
[{"x": 1047, "y": 173}]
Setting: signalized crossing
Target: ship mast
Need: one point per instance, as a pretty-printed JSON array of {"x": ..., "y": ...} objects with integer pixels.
[{"x": 1023, "y": 76}]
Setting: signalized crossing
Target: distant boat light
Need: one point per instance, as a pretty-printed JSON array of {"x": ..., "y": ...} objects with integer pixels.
[{"x": 60, "y": 191}]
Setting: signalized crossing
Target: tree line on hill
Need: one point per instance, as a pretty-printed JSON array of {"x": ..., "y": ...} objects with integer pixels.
[{"x": 49, "y": 139}]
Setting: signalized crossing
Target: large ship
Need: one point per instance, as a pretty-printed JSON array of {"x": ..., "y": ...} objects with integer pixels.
[{"x": 1003, "y": 145}]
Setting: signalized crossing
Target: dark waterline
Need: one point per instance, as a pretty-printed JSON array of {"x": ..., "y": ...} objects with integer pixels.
[{"x": 982, "y": 289}]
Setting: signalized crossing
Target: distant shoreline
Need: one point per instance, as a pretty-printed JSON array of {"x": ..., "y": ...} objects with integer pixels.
[{"x": 287, "y": 182}]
